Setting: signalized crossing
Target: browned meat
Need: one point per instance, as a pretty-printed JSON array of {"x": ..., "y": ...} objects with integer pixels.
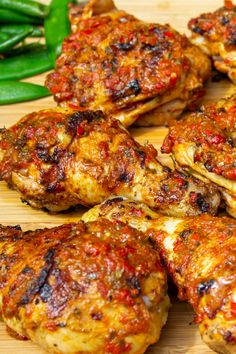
[
  {"x": 96, "y": 288},
  {"x": 61, "y": 158},
  {"x": 123, "y": 66},
  {"x": 204, "y": 145},
  {"x": 215, "y": 34},
  {"x": 200, "y": 256}
]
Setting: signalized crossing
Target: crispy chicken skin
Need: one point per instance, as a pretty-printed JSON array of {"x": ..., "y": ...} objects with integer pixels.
[
  {"x": 204, "y": 145},
  {"x": 215, "y": 34},
  {"x": 131, "y": 69},
  {"x": 60, "y": 158},
  {"x": 199, "y": 254},
  {"x": 83, "y": 288}
]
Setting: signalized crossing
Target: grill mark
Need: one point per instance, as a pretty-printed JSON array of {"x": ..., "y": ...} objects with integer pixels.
[
  {"x": 202, "y": 203},
  {"x": 124, "y": 177},
  {"x": 204, "y": 286},
  {"x": 38, "y": 283},
  {"x": 78, "y": 117},
  {"x": 111, "y": 202}
]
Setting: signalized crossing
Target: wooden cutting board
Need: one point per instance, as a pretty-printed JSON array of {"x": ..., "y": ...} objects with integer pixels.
[{"x": 178, "y": 336}]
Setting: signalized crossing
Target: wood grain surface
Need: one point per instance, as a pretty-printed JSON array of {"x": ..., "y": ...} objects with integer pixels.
[{"x": 178, "y": 336}]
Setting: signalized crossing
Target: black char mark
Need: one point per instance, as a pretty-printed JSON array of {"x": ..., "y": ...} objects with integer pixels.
[
  {"x": 46, "y": 292},
  {"x": 185, "y": 234},
  {"x": 112, "y": 201},
  {"x": 134, "y": 284},
  {"x": 43, "y": 154},
  {"x": 142, "y": 156},
  {"x": 204, "y": 286},
  {"x": 80, "y": 116},
  {"x": 224, "y": 20},
  {"x": 36, "y": 285},
  {"x": 202, "y": 204},
  {"x": 132, "y": 88},
  {"x": 198, "y": 30},
  {"x": 232, "y": 40},
  {"x": 124, "y": 177},
  {"x": 125, "y": 46}
]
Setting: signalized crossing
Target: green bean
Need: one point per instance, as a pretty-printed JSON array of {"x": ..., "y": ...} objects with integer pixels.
[
  {"x": 24, "y": 65},
  {"x": 16, "y": 91},
  {"x": 37, "y": 32},
  {"x": 26, "y": 7},
  {"x": 3, "y": 37},
  {"x": 25, "y": 48},
  {"x": 57, "y": 27},
  {"x": 8, "y": 16},
  {"x": 12, "y": 41},
  {"x": 16, "y": 28}
]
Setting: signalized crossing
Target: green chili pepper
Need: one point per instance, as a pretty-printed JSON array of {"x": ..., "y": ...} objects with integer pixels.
[
  {"x": 16, "y": 28},
  {"x": 26, "y": 7},
  {"x": 16, "y": 91},
  {"x": 25, "y": 48},
  {"x": 8, "y": 16},
  {"x": 12, "y": 41},
  {"x": 3, "y": 37},
  {"x": 57, "y": 27},
  {"x": 24, "y": 65}
]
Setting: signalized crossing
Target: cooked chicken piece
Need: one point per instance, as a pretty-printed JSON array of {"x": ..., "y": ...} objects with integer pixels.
[
  {"x": 83, "y": 288},
  {"x": 215, "y": 34},
  {"x": 204, "y": 145},
  {"x": 126, "y": 67},
  {"x": 60, "y": 158},
  {"x": 200, "y": 256}
]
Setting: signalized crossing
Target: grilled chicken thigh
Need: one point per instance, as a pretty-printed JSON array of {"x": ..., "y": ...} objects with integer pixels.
[
  {"x": 60, "y": 158},
  {"x": 215, "y": 34},
  {"x": 200, "y": 256},
  {"x": 204, "y": 145},
  {"x": 83, "y": 288},
  {"x": 131, "y": 69}
]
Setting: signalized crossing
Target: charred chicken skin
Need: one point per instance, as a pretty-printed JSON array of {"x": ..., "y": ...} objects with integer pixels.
[
  {"x": 60, "y": 158},
  {"x": 136, "y": 71},
  {"x": 83, "y": 288},
  {"x": 199, "y": 254},
  {"x": 215, "y": 34},
  {"x": 204, "y": 145}
]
